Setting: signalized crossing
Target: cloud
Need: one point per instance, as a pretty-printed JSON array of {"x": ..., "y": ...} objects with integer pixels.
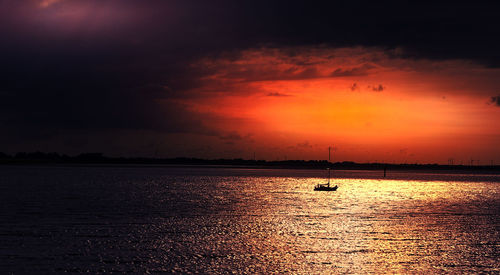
[
  {"x": 378, "y": 88},
  {"x": 278, "y": 94},
  {"x": 138, "y": 65},
  {"x": 289, "y": 63},
  {"x": 354, "y": 87},
  {"x": 300, "y": 146},
  {"x": 261, "y": 65},
  {"x": 304, "y": 145},
  {"x": 231, "y": 138},
  {"x": 495, "y": 100},
  {"x": 356, "y": 71},
  {"x": 212, "y": 28}
]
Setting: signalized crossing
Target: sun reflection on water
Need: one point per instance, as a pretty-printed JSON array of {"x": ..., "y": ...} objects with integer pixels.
[
  {"x": 183, "y": 220},
  {"x": 372, "y": 225}
]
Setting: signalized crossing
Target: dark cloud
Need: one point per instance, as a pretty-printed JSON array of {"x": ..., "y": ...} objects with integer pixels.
[
  {"x": 354, "y": 87},
  {"x": 278, "y": 95},
  {"x": 304, "y": 145},
  {"x": 378, "y": 88},
  {"x": 358, "y": 71},
  {"x": 495, "y": 100},
  {"x": 244, "y": 72},
  {"x": 121, "y": 64},
  {"x": 233, "y": 137}
]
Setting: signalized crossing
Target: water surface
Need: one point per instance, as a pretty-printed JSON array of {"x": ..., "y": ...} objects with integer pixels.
[{"x": 140, "y": 219}]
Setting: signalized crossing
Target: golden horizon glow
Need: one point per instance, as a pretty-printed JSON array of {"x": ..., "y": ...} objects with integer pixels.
[{"x": 369, "y": 105}]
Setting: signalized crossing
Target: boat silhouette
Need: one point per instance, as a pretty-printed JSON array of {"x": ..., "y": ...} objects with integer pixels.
[{"x": 326, "y": 187}]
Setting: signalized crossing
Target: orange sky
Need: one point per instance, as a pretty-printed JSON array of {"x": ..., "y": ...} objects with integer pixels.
[
  {"x": 369, "y": 104},
  {"x": 177, "y": 79}
]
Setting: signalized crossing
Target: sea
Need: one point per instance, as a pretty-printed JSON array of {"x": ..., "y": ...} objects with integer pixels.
[{"x": 224, "y": 220}]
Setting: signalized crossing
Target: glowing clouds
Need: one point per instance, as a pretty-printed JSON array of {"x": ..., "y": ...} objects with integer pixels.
[{"x": 351, "y": 97}]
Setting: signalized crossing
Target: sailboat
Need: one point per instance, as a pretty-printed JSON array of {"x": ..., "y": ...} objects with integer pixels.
[{"x": 326, "y": 187}]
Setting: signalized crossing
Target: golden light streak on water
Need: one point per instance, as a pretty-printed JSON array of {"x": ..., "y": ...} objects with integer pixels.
[{"x": 139, "y": 220}]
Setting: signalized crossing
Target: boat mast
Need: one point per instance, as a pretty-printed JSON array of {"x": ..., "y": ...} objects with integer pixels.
[{"x": 328, "y": 166}]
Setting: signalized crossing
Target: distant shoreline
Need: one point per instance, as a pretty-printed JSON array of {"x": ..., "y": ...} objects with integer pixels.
[
  {"x": 440, "y": 170},
  {"x": 98, "y": 160}
]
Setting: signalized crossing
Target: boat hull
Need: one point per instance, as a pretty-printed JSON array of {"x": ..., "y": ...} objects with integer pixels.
[{"x": 325, "y": 188}]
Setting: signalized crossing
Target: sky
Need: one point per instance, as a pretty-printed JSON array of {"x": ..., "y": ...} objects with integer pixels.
[{"x": 391, "y": 81}]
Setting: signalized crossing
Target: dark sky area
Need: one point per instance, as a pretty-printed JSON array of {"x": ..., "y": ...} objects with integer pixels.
[{"x": 119, "y": 76}]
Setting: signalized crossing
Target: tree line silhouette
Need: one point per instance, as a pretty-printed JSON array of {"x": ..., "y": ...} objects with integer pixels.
[{"x": 100, "y": 159}]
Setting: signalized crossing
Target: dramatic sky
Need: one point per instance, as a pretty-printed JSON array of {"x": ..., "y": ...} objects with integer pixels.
[{"x": 377, "y": 81}]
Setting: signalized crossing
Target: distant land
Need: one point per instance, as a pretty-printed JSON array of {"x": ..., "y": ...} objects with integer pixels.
[{"x": 41, "y": 158}]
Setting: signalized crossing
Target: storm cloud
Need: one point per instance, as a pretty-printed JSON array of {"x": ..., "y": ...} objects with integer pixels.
[{"x": 88, "y": 65}]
